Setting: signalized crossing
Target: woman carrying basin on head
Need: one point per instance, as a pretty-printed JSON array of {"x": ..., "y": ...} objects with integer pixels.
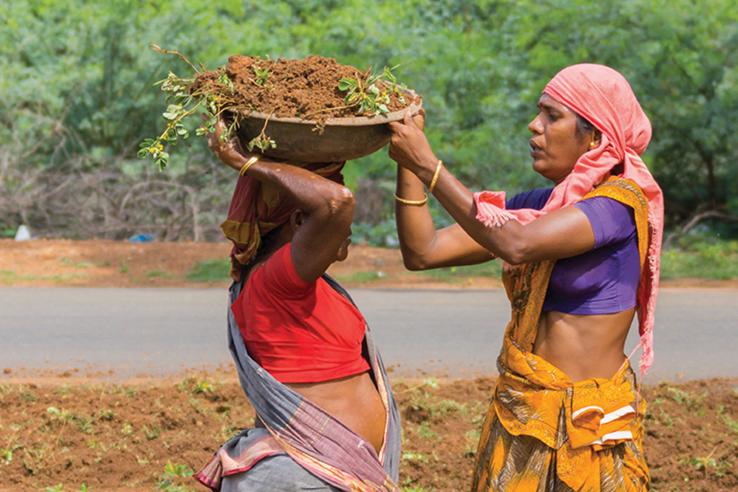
[
  {"x": 326, "y": 417},
  {"x": 581, "y": 257}
]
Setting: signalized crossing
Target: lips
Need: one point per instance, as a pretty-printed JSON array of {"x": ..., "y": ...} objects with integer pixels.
[{"x": 535, "y": 149}]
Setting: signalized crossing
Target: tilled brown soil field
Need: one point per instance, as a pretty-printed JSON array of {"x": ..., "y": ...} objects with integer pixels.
[{"x": 152, "y": 434}]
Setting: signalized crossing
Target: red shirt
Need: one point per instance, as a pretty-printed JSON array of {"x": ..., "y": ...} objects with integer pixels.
[{"x": 301, "y": 332}]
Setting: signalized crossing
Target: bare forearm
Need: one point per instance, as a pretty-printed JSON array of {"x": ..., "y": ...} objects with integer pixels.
[
  {"x": 422, "y": 245},
  {"x": 310, "y": 192},
  {"x": 415, "y": 227}
]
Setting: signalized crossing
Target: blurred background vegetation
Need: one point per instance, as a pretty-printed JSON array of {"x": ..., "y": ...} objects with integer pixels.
[{"x": 77, "y": 96}]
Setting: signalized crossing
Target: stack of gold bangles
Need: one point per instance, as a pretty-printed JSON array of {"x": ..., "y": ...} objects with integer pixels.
[{"x": 431, "y": 187}]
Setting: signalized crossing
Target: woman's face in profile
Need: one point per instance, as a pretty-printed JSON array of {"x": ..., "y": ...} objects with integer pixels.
[{"x": 555, "y": 145}]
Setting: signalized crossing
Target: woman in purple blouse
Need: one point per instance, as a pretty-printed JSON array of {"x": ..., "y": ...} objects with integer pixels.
[{"x": 581, "y": 258}]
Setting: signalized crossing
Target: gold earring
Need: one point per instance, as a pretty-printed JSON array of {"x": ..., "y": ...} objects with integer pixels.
[{"x": 592, "y": 144}]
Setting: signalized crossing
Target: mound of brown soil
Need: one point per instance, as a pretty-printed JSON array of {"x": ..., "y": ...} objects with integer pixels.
[{"x": 306, "y": 88}]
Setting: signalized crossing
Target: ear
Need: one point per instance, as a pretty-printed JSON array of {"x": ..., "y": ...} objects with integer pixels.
[{"x": 296, "y": 220}]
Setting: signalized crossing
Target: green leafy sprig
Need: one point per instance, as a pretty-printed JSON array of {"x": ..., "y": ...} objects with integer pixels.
[
  {"x": 184, "y": 102},
  {"x": 261, "y": 75},
  {"x": 371, "y": 94}
]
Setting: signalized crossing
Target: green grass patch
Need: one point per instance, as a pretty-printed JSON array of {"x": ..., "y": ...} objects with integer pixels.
[
  {"x": 10, "y": 277},
  {"x": 76, "y": 264},
  {"x": 210, "y": 270},
  {"x": 458, "y": 274},
  {"x": 701, "y": 259},
  {"x": 361, "y": 277},
  {"x": 158, "y": 274}
]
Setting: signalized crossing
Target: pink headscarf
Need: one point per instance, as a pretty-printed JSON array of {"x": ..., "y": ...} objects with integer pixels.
[{"x": 602, "y": 96}]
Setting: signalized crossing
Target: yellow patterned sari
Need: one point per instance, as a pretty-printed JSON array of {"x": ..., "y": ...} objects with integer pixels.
[{"x": 544, "y": 432}]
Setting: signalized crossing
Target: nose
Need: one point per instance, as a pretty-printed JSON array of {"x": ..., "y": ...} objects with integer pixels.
[{"x": 536, "y": 126}]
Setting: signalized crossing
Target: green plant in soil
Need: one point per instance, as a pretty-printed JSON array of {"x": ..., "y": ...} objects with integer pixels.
[
  {"x": 371, "y": 94},
  {"x": 261, "y": 75}
]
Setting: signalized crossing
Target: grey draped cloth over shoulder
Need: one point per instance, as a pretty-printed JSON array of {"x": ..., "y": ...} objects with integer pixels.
[{"x": 295, "y": 426}]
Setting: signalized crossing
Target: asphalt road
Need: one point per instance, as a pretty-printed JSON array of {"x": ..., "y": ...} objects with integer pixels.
[{"x": 435, "y": 332}]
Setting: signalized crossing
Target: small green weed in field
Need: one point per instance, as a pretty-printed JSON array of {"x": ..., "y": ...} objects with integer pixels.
[
  {"x": 196, "y": 386},
  {"x": 84, "y": 424},
  {"x": 60, "y": 415},
  {"x": 426, "y": 432},
  {"x": 126, "y": 429},
  {"x": 445, "y": 407},
  {"x": 173, "y": 471},
  {"x": 6, "y": 456},
  {"x": 708, "y": 464},
  {"x": 414, "y": 456},
  {"x": 693, "y": 402},
  {"x": 727, "y": 419},
  {"x": 152, "y": 432}
]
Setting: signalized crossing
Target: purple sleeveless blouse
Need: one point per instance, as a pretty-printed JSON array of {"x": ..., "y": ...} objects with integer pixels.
[{"x": 603, "y": 280}]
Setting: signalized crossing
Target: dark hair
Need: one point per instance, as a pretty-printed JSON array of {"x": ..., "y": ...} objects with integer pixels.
[{"x": 584, "y": 126}]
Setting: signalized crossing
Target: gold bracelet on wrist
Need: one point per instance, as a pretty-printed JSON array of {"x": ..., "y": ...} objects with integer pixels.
[
  {"x": 416, "y": 203},
  {"x": 252, "y": 160},
  {"x": 436, "y": 174}
]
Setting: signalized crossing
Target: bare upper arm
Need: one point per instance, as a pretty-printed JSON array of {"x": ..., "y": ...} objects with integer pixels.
[{"x": 559, "y": 234}]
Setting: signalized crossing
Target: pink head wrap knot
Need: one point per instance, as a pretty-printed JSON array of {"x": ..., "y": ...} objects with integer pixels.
[{"x": 603, "y": 97}]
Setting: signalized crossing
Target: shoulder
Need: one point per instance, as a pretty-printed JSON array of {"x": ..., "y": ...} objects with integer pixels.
[
  {"x": 278, "y": 273},
  {"x": 611, "y": 220},
  {"x": 622, "y": 190}
]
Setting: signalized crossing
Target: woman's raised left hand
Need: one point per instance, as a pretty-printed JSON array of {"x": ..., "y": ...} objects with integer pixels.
[
  {"x": 229, "y": 152},
  {"x": 409, "y": 146}
]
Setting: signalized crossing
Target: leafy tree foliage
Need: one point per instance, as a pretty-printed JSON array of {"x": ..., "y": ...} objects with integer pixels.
[{"x": 77, "y": 95}]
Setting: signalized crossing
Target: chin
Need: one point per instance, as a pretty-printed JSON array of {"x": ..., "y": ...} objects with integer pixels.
[
  {"x": 547, "y": 172},
  {"x": 540, "y": 168}
]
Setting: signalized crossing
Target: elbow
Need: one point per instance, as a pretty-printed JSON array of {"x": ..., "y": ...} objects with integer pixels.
[
  {"x": 340, "y": 204},
  {"x": 516, "y": 254},
  {"x": 414, "y": 264},
  {"x": 413, "y": 261}
]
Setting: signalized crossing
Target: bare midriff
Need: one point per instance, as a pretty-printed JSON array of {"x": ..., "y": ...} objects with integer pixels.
[
  {"x": 583, "y": 346},
  {"x": 354, "y": 401}
]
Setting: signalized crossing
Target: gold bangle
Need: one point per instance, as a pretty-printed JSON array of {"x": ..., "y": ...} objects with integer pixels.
[
  {"x": 252, "y": 160},
  {"x": 417, "y": 203},
  {"x": 436, "y": 173}
]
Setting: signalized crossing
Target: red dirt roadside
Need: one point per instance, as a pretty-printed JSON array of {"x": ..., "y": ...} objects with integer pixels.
[{"x": 102, "y": 263}]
